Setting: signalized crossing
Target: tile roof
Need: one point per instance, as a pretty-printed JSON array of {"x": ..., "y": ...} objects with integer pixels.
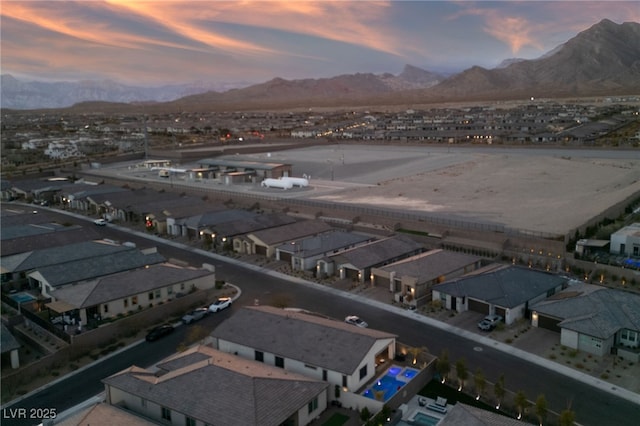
[
  {"x": 507, "y": 286},
  {"x": 222, "y": 389},
  {"x": 593, "y": 310},
  {"x": 322, "y": 342}
]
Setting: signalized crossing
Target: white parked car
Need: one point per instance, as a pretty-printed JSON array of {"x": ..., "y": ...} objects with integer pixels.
[
  {"x": 352, "y": 319},
  {"x": 100, "y": 222},
  {"x": 195, "y": 315},
  {"x": 220, "y": 304}
]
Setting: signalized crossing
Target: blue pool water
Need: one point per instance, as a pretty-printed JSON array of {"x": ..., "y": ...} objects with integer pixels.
[
  {"x": 409, "y": 373},
  {"x": 422, "y": 419},
  {"x": 394, "y": 370},
  {"x": 22, "y": 297},
  {"x": 394, "y": 379}
]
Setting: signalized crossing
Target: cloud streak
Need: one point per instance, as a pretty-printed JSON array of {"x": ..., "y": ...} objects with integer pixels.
[{"x": 258, "y": 40}]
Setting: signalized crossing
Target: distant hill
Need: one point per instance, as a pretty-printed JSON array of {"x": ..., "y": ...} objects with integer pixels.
[
  {"x": 602, "y": 60},
  {"x": 37, "y": 94}
]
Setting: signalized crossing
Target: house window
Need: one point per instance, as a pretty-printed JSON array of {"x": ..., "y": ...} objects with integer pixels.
[
  {"x": 279, "y": 362},
  {"x": 181, "y": 286},
  {"x": 158, "y": 294},
  {"x": 189, "y": 421},
  {"x": 313, "y": 405},
  {"x": 344, "y": 381},
  {"x": 105, "y": 308},
  {"x": 166, "y": 413},
  {"x": 169, "y": 291},
  {"x": 259, "y": 356},
  {"x": 150, "y": 295},
  {"x": 134, "y": 300},
  {"x": 363, "y": 372},
  {"x": 324, "y": 375},
  {"x": 126, "y": 303},
  {"x": 629, "y": 337}
]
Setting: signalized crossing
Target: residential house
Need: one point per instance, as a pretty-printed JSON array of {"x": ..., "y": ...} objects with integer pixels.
[
  {"x": 127, "y": 291},
  {"x": 17, "y": 266},
  {"x": 593, "y": 319},
  {"x": 23, "y": 231},
  {"x": 411, "y": 280},
  {"x": 52, "y": 277},
  {"x": 225, "y": 233},
  {"x": 303, "y": 254},
  {"x": 324, "y": 349},
  {"x": 358, "y": 262},
  {"x": 203, "y": 386},
  {"x": 505, "y": 290},
  {"x": 626, "y": 241},
  {"x": 197, "y": 226},
  {"x": 265, "y": 242}
]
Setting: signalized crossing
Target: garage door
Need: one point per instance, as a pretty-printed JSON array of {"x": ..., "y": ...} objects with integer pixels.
[
  {"x": 351, "y": 273},
  {"x": 261, "y": 250},
  {"x": 478, "y": 306},
  {"x": 285, "y": 256},
  {"x": 502, "y": 312},
  {"x": 548, "y": 323}
]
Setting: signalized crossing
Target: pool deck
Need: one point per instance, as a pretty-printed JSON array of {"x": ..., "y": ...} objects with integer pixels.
[{"x": 413, "y": 406}]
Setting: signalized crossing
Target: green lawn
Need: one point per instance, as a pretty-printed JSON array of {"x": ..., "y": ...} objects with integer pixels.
[{"x": 337, "y": 419}]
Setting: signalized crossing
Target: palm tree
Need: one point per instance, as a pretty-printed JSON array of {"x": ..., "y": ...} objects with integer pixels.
[
  {"x": 443, "y": 367},
  {"x": 499, "y": 391},
  {"x": 521, "y": 403},
  {"x": 567, "y": 417},
  {"x": 541, "y": 409},
  {"x": 461, "y": 371},
  {"x": 479, "y": 382}
]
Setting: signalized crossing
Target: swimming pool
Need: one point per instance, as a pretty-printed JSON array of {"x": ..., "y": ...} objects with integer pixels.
[
  {"x": 22, "y": 297},
  {"x": 390, "y": 383},
  {"x": 422, "y": 419}
]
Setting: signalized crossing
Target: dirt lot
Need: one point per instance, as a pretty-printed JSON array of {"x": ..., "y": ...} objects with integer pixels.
[{"x": 547, "y": 190}]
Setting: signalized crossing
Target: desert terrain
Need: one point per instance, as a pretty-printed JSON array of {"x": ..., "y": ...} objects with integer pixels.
[{"x": 547, "y": 190}]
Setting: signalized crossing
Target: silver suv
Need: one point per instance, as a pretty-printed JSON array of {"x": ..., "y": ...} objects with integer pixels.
[{"x": 489, "y": 322}]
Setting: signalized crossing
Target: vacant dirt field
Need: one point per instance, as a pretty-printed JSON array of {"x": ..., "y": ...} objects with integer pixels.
[{"x": 546, "y": 190}]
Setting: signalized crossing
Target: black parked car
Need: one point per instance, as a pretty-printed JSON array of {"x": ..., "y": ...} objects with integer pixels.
[{"x": 159, "y": 332}]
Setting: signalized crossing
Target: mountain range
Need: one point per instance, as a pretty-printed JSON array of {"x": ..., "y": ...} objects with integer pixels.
[{"x": 602, "y": 60}]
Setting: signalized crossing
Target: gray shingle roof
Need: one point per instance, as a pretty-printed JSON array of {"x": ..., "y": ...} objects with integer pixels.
[
  {"x": 378, "y": 252},
  {"x": 507, "y": 286},
  {"x": 324, "y": 343},
  {"x": 59, "y": 255},
  {"x": 323, "y": 243},
  {"x": 244, "y": 226},
  {"x": 223, "y": 389},
  {"x": 432, "y": 264},
  {"x": 125, "y": 284},
  {"x": 213, "y": 218},
  {"x": 593, "y": 310},
  {"x": 85, "y": 269},
  {"x": 281, "y": 234}
]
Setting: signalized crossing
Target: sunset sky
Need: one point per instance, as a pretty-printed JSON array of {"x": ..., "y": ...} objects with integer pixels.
[{"x": 152, "y": 43}]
